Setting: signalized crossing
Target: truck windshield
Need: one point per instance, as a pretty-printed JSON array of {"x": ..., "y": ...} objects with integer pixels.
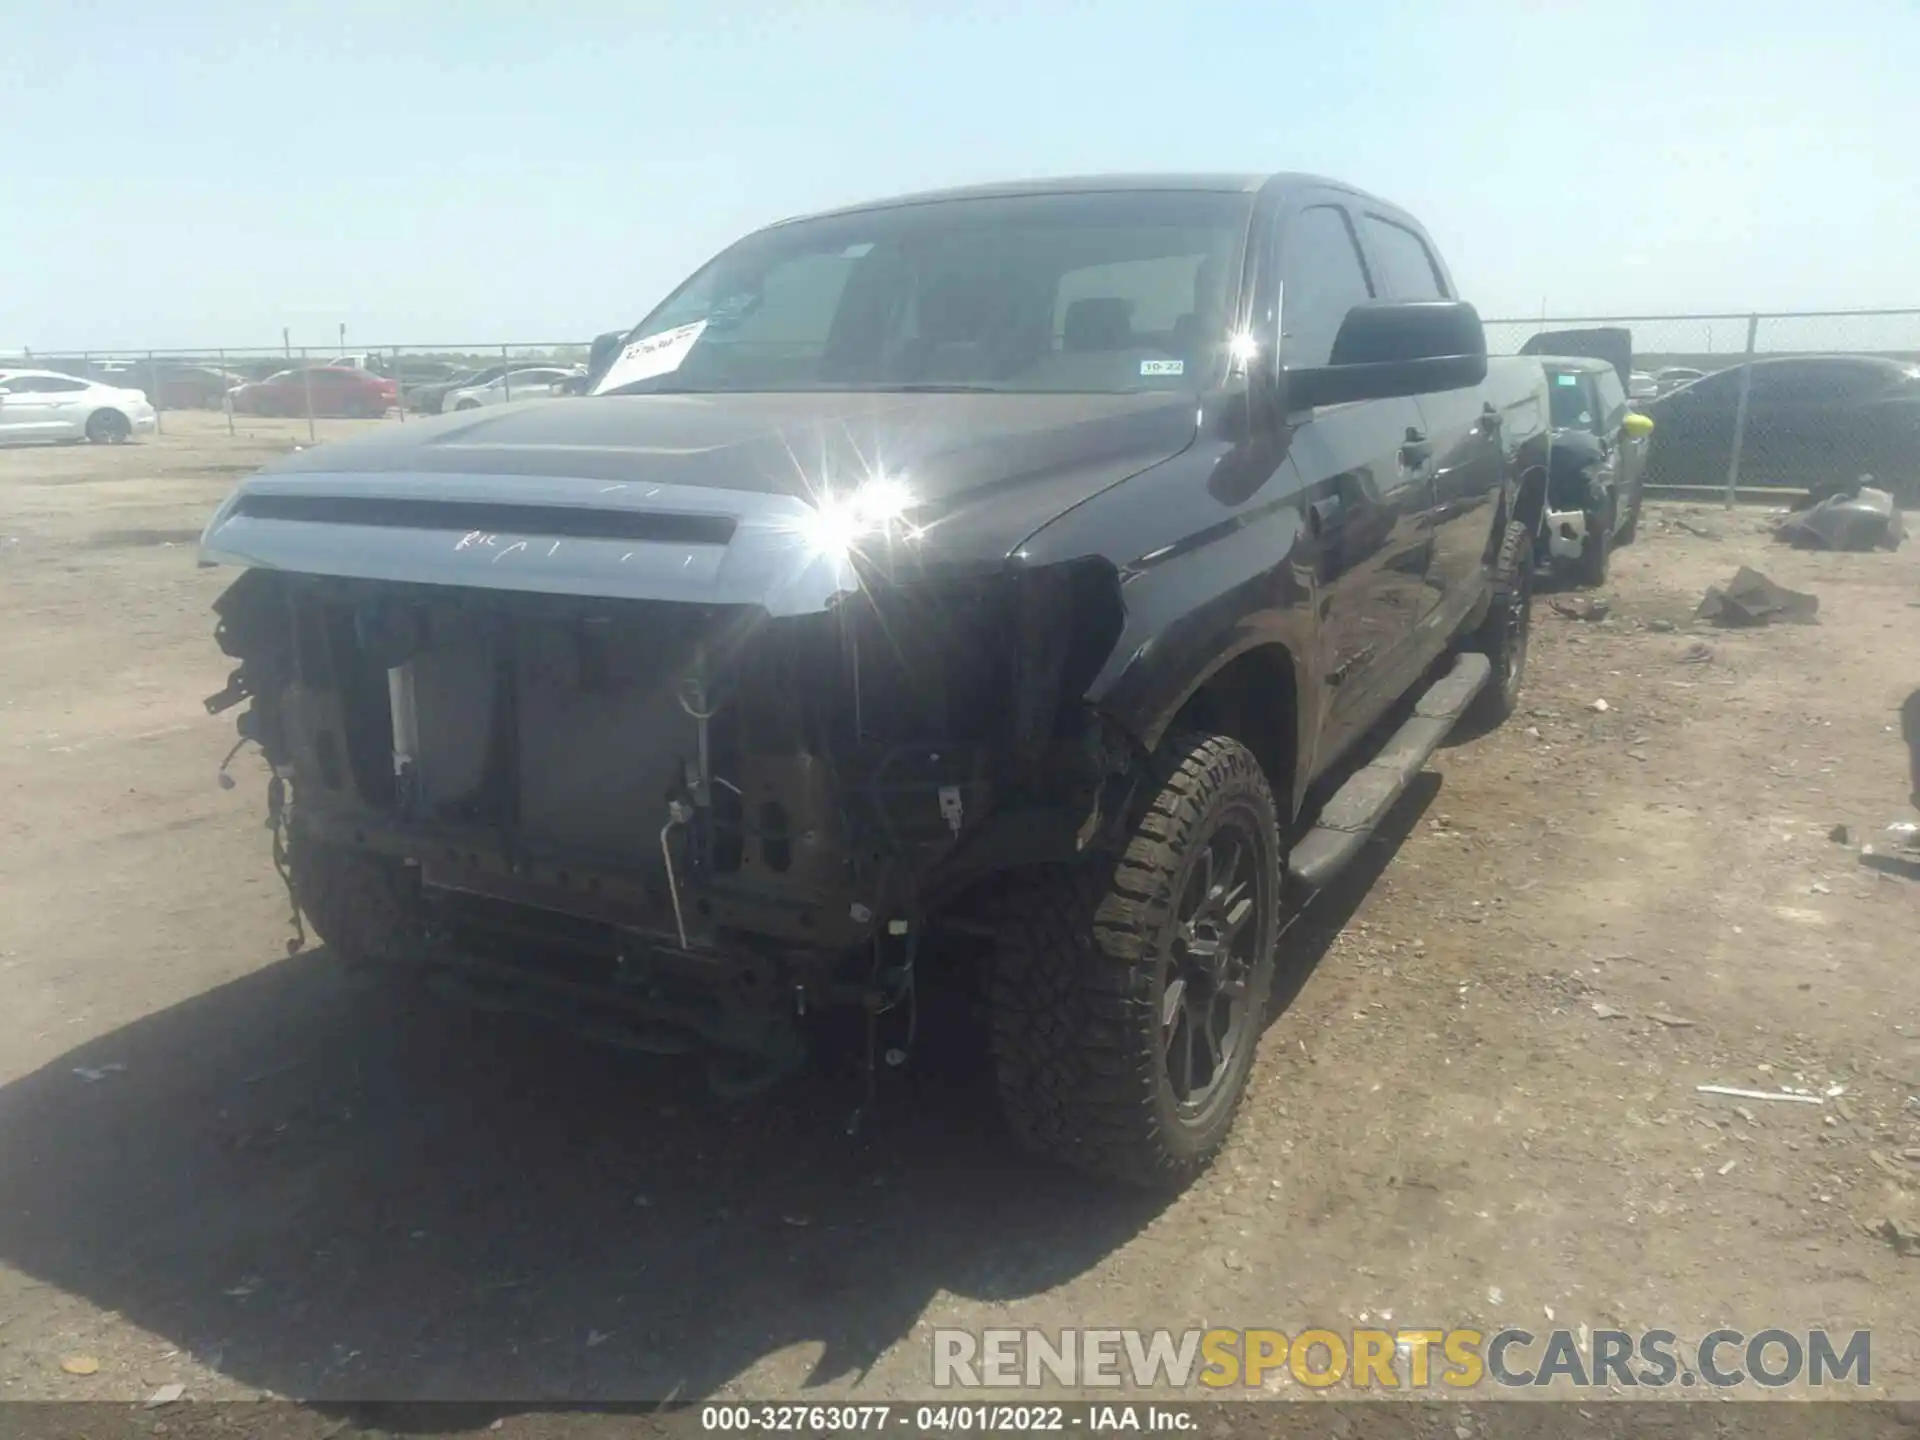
[
  {"x": 1096, "y": 292},
  {"x": 1572, "y": 401}
]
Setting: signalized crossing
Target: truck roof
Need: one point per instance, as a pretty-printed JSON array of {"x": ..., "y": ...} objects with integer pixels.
[{"x": 1227, "y": 183}]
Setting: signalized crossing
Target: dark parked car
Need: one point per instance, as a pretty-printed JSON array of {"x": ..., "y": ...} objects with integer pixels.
[
  {"x": 320, "y": 390},
  {"x": 1600, "y": 448},
  {"x": 426, "y": 399},
  {"x": 1814, "y": 422},
  {"x": 177, "y": 384},
  {"x": 1020, "y": 564}
]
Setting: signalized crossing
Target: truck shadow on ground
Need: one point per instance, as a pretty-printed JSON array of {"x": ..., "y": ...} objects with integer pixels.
[{"x": 323, "y": 1193}]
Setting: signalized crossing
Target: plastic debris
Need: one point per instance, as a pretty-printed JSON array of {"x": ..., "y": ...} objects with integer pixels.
[
  {"x": 166, "y": 1395},
  {"x": 1599, "y": 707},
  {"x": 1727, "y": 1169},
  {"x": 93, "y": 1074},
  {"x": 1750, "y": 598},
  {"x": 1607, "y": 1012},
  {"x": 1674, "y": 1022},
  {"x": 80, "y": 1365},
  {"x": 1758, "y": 1094},
  {"x": 1859, "y": 517}
]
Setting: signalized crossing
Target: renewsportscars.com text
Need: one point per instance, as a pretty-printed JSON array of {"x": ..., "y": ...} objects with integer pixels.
[{"x": 1401, "y": 1359}]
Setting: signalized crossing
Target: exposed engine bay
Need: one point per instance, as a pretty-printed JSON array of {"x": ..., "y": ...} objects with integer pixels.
[{"x": 719, "y": 817}]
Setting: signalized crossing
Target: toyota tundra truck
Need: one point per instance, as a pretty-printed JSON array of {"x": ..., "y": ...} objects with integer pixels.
[{"x": 1061, "y": 576}]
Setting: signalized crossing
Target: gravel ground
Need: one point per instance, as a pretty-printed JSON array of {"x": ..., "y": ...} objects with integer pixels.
[{"x": 229, "y": 1168}]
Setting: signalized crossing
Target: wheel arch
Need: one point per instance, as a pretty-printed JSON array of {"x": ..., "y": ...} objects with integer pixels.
[{"x": 1252, "y": 696}]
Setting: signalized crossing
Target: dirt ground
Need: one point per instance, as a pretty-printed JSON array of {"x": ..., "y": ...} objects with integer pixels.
[{"x": 231, "y": 1168}]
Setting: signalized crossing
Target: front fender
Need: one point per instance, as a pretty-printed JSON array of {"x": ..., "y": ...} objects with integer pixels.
[{"x": 1196, "y": 596}]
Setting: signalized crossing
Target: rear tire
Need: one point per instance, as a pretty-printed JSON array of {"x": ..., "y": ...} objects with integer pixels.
[
  {"x": 108, "y": 427},
  {"x": 1632, "y": 526},
  {"x": 1129, "y": 994},
  {"x": 1502, "y": 636}
]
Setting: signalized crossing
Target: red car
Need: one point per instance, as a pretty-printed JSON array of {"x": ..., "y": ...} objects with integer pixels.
[{"x": 334, "y": 390}]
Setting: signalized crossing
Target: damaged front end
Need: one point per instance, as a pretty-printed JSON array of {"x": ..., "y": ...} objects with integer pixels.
[{"x": 709, "y": 816}]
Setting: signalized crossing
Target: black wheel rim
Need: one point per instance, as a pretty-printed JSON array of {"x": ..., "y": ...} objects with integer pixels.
[
  {"x": 1519, "y": 616},
  {"x": 1207, "y": 993}
]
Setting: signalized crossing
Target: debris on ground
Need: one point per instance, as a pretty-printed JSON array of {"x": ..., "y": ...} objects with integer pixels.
[
  {"x": 1857, "y": 517},
  {"x": 1590, "y": 609},
  {"x": 1599, "y": 707},
  {"x": 1672, "y": 1022},
  {"x": 166, "y": 1395},
  {"x": 1840, "y": 835},
  {"x": 1607, "y": 1012},
  {"x": 1698, "y": 652},
  {"x": 1701, "y": 530},
  {"x": 1661, "y": 627},
  {"x": 1904, "y": 1238},
  {"x": 93, "y": 1074},
  {"x": 1750, "y": 598},
  {"x": 80, "y": 1365},
  {"x": 1740, "y": 1094}
]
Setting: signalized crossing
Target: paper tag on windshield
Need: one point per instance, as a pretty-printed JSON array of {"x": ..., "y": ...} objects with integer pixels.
[
  {"x": 654, "y": 355},
  {"x": 1163, "y": 367}
]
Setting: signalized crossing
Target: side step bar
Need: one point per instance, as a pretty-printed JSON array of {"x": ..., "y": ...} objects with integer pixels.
[{"x": 1359, "y": 805}]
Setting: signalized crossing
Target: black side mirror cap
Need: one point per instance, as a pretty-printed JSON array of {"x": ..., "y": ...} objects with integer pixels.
[{"x": 1392, "y": 348}]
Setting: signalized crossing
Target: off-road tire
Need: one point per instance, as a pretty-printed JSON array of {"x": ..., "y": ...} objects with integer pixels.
[
  {"x": 1502, "y": 636},
  {"x": 365, "y": 907},
  {"x": 1596, "y": 551},
  {"x": 1080, "y": 978},
  {"x": 1631, "y": 527},
  {"x": 109, "y": 427}
]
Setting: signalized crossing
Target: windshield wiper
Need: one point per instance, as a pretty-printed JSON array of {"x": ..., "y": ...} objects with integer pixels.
[{"x": 930, "y": 388}]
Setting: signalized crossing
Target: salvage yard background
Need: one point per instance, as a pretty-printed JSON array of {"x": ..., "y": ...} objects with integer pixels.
[
  {"x": 228, "y": 1168},
  {"x": 1706, "y": 342}
]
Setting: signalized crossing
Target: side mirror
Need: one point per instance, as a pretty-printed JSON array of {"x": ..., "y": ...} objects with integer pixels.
[
  {"x": 1391, "y": 348},
  {"x": 1637, "y": 425}
]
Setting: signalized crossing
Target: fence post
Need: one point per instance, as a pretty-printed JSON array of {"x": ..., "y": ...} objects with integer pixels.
[
  {"x": 153, "y": 376},
  {"x": 306, "y": 386},
  {"x": 226, "y": 399},
  {"x": 399, "y": 388},
  {"x": 506, "y": 376},
  {"x": 1740, "y": 410}
]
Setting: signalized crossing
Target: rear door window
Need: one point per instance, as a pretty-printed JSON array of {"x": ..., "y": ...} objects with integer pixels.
[{"x": 1406, "y": 264}]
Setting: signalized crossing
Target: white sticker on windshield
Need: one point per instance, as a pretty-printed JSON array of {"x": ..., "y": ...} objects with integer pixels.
[
  {"x": 654, "y": 355},
  {"x": 1163, "y": 367}
]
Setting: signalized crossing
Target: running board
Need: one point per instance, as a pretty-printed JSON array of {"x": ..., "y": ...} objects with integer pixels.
[{"x": 1359, "y": 805}]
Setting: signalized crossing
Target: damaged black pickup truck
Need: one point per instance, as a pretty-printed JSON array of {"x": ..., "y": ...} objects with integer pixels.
[{"x": 997, "y": 574}]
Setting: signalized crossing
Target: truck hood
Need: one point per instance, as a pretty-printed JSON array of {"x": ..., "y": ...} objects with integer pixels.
[{"x": 702, "y": 498}]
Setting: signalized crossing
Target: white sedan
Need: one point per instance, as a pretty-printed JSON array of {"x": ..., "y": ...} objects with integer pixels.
[
  {"x": 534, "y": 382},
  {"x": 46, "y": 405}
]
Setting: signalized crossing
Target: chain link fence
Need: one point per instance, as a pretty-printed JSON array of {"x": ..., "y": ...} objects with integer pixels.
[
  {"x": 1764, "y": 404},
  {"x": 387, "y": 382},
  {"x": 1740, "y": 402}
]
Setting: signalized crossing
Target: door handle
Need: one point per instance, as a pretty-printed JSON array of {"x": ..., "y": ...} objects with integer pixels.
[
  {"x": 1323, "y": 512},
  {"x": 1490, "y": 421},
  {"x": 1416, "y": 452}
]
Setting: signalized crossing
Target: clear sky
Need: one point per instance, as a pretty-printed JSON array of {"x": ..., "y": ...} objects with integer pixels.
[{"x": 199, "y": 172}]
